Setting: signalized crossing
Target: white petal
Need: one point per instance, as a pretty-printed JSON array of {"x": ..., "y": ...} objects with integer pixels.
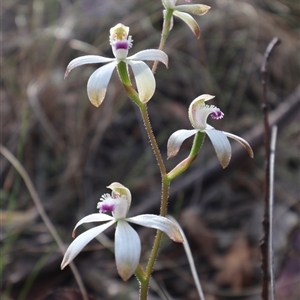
[
  {"x": 144, "y": 79},
  {"x": 221, "y": 145},
  {"x": 97, "y": 84},
  {"x": 98, "y": 217},
  {"x": 86, "y": 59},
  {"x": 127, "y": 249},
  {"x": 190, "y": 21},
  {"x": 196, "y": 9},
  {"x": 176, "y": 139},
  {"x": 241, "y": 141},
  {"x": 150, "y": 54},
  {"x": 158, "y": 222},
  {"x": 83, "y": 239}
]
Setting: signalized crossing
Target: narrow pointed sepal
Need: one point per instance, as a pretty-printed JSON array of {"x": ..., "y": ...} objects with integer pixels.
[
  {"x": 190, "y": 21},
  {"x": 195, "y": 9},
  {"x": 127, "y": 249},
  {"x": 160, "y": 223},
  {"x": 144, "y": 79},
  {"x": 98, "y": 217},
  {"x": 176, "y": 139},
  {"x": 81, "y": 241},
  {"x": 150, "y": 54},
  {"x": 243, "y": 142},
  {"x": 84, "y": 60},
  {"x": 97, "y": 84},
  {"x": 221, "y": 145}
]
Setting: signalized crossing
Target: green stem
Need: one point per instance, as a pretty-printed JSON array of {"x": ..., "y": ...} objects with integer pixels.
[
  {"x": 184, "y": 165},
  {"x": 145, "y": 116},
  {"x": 164, "y": 34},
  {"x": 140, "y": 274},
  {"x": 123, "y": 73},
  {"x": 166, "y": 179},
  {"x": 157, "y": 241},
  {"x": 144, "y": 277}
]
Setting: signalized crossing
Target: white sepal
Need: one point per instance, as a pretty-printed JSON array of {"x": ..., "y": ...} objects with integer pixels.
[
  {"x": 150, "y": 54},
  {"x": 97, "y": 84},
  {"x": 81, "y": 241},
  {"x": 176, "y": 139},
  {"x": 221, "y": 146},
  {"x": 144, "y": 79},
  {"x": 158, "y": 222},
  {"x": 98, "y": 217},
  {"x": 86, "y": 59},
  {"x": 242, "y": 142},
  {"x": 127, "y": 249},
  {"x": 190, "y": 21},
  {"x": 195, "y": 9}
]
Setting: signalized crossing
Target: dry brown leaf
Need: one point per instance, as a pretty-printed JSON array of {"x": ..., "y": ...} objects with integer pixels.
[{"x": 237, "y": 270}]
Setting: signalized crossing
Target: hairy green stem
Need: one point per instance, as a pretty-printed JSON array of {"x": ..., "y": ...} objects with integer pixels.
[
  {"x": 145, "y": 116},
  {"x": 144, "y": 277}
]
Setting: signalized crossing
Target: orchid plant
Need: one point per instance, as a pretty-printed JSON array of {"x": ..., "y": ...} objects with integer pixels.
[{"x": 114, "y": 207}]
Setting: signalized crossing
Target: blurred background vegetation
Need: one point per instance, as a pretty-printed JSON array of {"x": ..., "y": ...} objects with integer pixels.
[{"x": 72, "y": 150}]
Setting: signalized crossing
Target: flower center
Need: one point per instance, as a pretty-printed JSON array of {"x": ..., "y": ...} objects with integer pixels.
[
  {"x": 122, "y": 45},
  {"x": 107, "y": 204},
  {"x": 107, "y": 208},
  {"x": 115, "y": 204}
]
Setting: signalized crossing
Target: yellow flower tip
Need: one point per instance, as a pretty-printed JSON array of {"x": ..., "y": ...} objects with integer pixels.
[
  {"x": 205, "y": 9},
  {"x": 125, "y": 271},
  {"x": 96, "y": 98},
  {"x": 224, "y": 164},
  {"x": 119, "y": 32},
  {"x": 178, "y": 238},
  {"x": 117, "y": 187}
]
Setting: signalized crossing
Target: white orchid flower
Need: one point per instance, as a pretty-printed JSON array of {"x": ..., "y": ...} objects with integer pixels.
[
  {"x": 127, "y": 241},
  {"x": 120, "y": 43},
  {"x": 198, "y": 114},
  {"x": 183, "y": 12}
]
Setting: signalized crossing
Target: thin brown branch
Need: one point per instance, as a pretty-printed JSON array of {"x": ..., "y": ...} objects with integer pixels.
[{"x": 266, "y": 219}]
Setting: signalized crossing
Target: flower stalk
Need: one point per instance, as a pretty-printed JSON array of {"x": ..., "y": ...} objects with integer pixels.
[
  {"x": 127, "y": 242},
  {"x": 185, "y": 164},
  {"x": 164, "y": 34}
]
